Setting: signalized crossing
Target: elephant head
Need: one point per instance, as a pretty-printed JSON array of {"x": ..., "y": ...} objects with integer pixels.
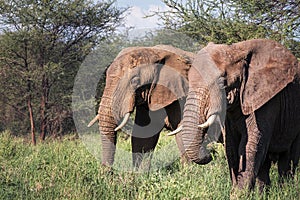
[
  {"x": 156, "y": 76},
  {"x": 245, "y": 74}
]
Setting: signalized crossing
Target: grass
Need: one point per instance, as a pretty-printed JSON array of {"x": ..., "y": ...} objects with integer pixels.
[{"x": 68, "y": 169}]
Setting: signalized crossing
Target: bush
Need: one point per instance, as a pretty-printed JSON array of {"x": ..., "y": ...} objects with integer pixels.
[{"x": 7, "y": 146}]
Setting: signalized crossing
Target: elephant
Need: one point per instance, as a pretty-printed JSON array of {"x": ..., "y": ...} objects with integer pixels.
[
  {"x": 151, "y": 80},
  {"x": 250, "y": 91}
]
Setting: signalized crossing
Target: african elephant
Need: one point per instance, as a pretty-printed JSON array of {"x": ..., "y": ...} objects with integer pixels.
[
  {"x": 152, "y": 80},
  {"x": 252, "y": 88}
]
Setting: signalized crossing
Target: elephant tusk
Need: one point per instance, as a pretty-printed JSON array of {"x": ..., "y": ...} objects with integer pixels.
[
  {"x": 124, "y": 122},
  {"x": 175, "y": 131},
  {"x": 209, "y": 122},
  {"x": 94, "y": 120}
]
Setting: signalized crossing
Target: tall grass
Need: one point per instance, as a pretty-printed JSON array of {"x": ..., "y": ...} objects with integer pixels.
[{"x": 65, "y": 169}]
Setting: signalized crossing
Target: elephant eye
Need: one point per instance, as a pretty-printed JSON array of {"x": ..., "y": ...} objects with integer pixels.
[{"x": 135, "y": 82}]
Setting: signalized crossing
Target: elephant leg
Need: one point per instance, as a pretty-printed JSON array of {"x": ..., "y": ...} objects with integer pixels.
[
  {"x": 231, "y": 143},
  {"x": 284, "y": 166},
  {"x": 252, "y": 154},
  {"x": 295, "y": 153},
  {"x": 232, "y": 160},
  {"x": 145, "y": 134},
  {"x": 248, "y": 157},
  {"x": 259, "y": 129},
  {"x": 263, "y": 177},
  {"x": 142, "y": 149}
]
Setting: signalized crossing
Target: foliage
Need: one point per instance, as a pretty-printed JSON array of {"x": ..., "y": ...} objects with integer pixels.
[
  {"x": 42, "y": 45},
  {"x": 228, "y": 21},
  {"x": 64, "y": 169},
  {"x": 281, "y": 18},
  {"x": 7, "y": 146}
]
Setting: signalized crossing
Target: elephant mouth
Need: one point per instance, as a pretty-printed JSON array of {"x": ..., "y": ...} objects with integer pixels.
[
  {"x": 141, "y": 95},
  {"x": 204, "y": 156},
  {"x": 203, "y": 153}
]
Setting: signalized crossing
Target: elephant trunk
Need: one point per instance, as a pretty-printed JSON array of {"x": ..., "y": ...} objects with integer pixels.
[
  {"x": 192, "y": 136},
  {"x": 107, "y": 124}
]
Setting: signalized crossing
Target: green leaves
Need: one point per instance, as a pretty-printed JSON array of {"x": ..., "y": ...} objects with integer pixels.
[
  {"x": 41, "y": 48},
  {"x": 228, "y": 21}
]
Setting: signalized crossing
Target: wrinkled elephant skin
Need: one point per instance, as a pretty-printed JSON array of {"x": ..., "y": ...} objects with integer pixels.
[
  {"x": 259, "y": 82},
  {"x": 151, "y": 80}
]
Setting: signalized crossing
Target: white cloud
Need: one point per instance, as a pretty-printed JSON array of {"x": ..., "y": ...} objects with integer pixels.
[{"x": 136, "y": 17}]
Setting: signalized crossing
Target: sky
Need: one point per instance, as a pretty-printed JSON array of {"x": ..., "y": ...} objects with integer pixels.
[{"x": 140, "y": 8}]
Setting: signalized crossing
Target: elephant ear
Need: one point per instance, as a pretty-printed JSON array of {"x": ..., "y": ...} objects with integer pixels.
[
  {"x": 172, "y": 81},
  {"x": 270, "y": 67}
]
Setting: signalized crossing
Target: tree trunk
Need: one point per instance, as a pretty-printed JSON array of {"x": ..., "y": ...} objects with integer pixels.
[
  {"x": 30, "y": 110},
  {"x": 32, "y": 127},
  {"x": 43, "y": 120},
  {"x": 43, "y": 106}
]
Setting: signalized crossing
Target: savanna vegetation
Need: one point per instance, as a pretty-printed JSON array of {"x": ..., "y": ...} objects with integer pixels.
[
  {"x": 65, "y": 169},
  {"x": 42, "y": 45}
]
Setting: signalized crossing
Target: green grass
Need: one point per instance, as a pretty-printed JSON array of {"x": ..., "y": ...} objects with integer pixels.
[{"x": 68, "y": 169}]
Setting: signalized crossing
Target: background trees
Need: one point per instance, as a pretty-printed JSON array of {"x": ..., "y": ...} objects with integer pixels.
[
  {"x": 227, "y": 21},
  {"x": 42, "y": 45}
]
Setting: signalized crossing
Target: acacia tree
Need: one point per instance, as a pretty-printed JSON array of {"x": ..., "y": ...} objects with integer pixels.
[
  {"x": 42, "y": 44},
  {"x": 227, "y": 21},
  {"x": 281, "y": 18}
]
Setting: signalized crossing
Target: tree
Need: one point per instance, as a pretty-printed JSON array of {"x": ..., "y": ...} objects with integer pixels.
[
  {"x": 280, "y": 19},
  {"x": 43, "y": 43},
  {"x": 228, "y": 21}
]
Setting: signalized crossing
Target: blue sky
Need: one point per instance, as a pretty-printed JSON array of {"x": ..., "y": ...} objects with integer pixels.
[{"x": 140, "y": 8}]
